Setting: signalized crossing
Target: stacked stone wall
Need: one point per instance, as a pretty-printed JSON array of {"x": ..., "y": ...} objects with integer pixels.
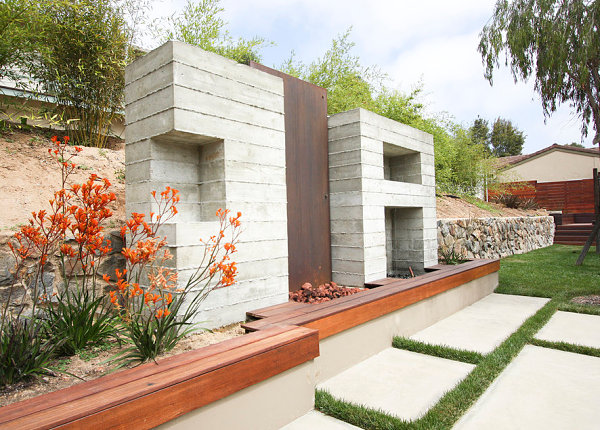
[
  {"x": 495, "y": 237},
  {"x": 52, "y": 279}
]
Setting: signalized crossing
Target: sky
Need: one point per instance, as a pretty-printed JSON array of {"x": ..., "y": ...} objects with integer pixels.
[{"x": 433, "y": 41}]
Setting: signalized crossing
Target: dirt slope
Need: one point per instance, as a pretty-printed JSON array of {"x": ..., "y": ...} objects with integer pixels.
[
  {"x": 449, "y": 207},
  {"x": 29, "y": 176}
]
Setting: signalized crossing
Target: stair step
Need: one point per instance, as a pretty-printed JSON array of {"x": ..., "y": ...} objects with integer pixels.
[
  {"x": 575, "y": 226},
  {"x": 583, "y": 237},
  {"x": 576, "y": 243}
]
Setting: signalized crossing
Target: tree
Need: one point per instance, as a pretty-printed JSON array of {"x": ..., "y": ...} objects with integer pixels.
[
  {"x": 21, "y": 27},
  {"x": 480, "y": 132},
  {"x": 200, "y": 24},
  {"x": 349, "y": 84},
  {"x": 460, "y": 164},
  {"x": 576, "y": 145},
  {"x": 13, "y": 34},
  {"x": 555, "y": 41},
  {"x": 81, "y": 64},
  {"x": 505, "y": 139}
]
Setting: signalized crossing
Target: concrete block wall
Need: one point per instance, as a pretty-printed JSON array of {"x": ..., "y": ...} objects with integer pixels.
[
  {"x": 376, "y": 164},
  {"x": 214, "y": 129}
]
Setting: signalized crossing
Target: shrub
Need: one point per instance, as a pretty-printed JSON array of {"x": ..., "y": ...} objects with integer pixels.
[
  {"x": 145, "y": 306},
  {"x": 81, "y": 318},
  {"x": 64, "y": 322},
  {"x": 156, "y": 317},
  {"x": 513, "y": 201},
  {"x": 24, "y": 350},
  {"x": 79, "y": 59},
  {"x": 451, "y": 256}
]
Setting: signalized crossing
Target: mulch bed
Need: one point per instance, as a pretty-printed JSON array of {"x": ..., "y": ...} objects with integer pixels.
[
  {"x": 587, "y": 300},
  {"x": 323, "y": 293}
]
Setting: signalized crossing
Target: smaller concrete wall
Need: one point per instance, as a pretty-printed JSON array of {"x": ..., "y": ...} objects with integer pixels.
[
  {"x": 495, "y": 237},
  {"x": 378, "y": 166}
]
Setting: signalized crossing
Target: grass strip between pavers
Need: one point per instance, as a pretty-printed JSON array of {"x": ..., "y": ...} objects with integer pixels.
[
  {"x": 568, "y": 347},
  {"x": 579, "y": 309},
  {"x": 454, "y": 403},
  {"x": 437, "y": 350}
]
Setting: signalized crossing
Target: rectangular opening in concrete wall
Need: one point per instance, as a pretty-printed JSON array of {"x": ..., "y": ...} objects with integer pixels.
[
  {"x": 197, "y": 170},
  {"x": 401, "y": 164},
  {"x": 404, "y": 241}
]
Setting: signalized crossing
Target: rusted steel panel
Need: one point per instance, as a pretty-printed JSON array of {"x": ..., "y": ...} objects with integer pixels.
[{"x": 309, "y": 238}]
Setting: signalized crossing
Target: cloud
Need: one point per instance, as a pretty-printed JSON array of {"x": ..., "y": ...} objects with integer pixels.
[{"x": 433, "y": 39}]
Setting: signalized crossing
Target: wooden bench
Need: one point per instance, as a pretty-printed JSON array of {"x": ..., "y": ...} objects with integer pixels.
[{"x": 340, "y": 314}]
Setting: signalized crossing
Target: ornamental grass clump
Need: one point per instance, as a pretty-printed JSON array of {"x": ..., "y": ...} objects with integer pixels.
[
  {"x": 155, "y": 313},
  {"x": 145, "y": 307}
]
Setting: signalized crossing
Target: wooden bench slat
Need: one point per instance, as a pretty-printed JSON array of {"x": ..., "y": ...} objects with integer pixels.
[
  {"x": 276, "y": 309},
  {"x": 333, "y": 323},
  {"x": 113, "y": 381},
  {"x": 446, "y": 278}
]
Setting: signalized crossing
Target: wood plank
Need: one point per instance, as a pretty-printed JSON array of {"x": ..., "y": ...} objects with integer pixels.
[
  {"x": 111, "y": 390},
  {"x": 74, "y": 392},
  {"x": 447, "y": 278},
  {"x": 395, "y": 283},
  {"x": 276, "y": 309},
  {"x": 384, "y": 296},
  {"x": 336, "y": 323},
  {"x": 199, "y": 392}
]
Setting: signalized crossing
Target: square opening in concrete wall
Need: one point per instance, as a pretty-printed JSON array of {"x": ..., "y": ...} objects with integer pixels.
[
  {"x": 197, "y": 171},
  {"x": 401, "y": 164},
  {"x": 404, "y": 241}
]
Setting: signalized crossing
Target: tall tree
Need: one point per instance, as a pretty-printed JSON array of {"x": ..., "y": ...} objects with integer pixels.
[
  {"x": 555, "y": 41},
  {"x": 506, "y": 139},
  {"x": 21, "y": 27},
  {"x": 81, "y": 63},
  {"x": 480, "y": 132}
]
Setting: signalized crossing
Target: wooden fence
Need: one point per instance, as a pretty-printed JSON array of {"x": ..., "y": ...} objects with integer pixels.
[{"x": 570, "y": 197}]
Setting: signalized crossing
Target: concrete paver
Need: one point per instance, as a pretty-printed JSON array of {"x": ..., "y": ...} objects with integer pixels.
[
  {"x": 484, "y": 325},
  {"x": 399, "y": 383},
  {"x": 316, "y": 420},
  {"x": 541, "y": 389},
  {"x": 570, "y": 327}
]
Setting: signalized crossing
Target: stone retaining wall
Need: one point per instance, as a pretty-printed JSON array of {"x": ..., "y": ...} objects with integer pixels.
[
  {"x": 52, "y": 278},
  {"x": 495, "y": 237}
]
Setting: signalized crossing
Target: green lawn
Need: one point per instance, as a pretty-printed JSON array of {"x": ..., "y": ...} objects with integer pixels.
[
  {"x": 551, "y": 272},
  {"x": 548, "y": 272}
]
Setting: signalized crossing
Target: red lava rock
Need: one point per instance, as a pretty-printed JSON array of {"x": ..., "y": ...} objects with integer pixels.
[{"x": 323, "y": 293}]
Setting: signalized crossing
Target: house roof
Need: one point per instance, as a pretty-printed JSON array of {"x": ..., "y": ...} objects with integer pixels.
[{"x": 512, "y": 160}]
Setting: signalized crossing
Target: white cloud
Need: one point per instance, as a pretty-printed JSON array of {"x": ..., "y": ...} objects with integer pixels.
[{"x": 435, "y": 39}]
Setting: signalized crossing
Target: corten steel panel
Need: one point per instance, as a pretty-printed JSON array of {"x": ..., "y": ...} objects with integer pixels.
[{"x": 307, "y": 171}]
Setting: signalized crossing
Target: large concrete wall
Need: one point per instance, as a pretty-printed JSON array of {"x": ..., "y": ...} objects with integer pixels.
[
  {"x": 377, "y": 165},
  {"x": 213, "y": 129}
]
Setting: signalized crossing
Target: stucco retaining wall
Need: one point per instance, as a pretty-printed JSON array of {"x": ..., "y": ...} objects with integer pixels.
[{"x": 495, "y": 237}]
